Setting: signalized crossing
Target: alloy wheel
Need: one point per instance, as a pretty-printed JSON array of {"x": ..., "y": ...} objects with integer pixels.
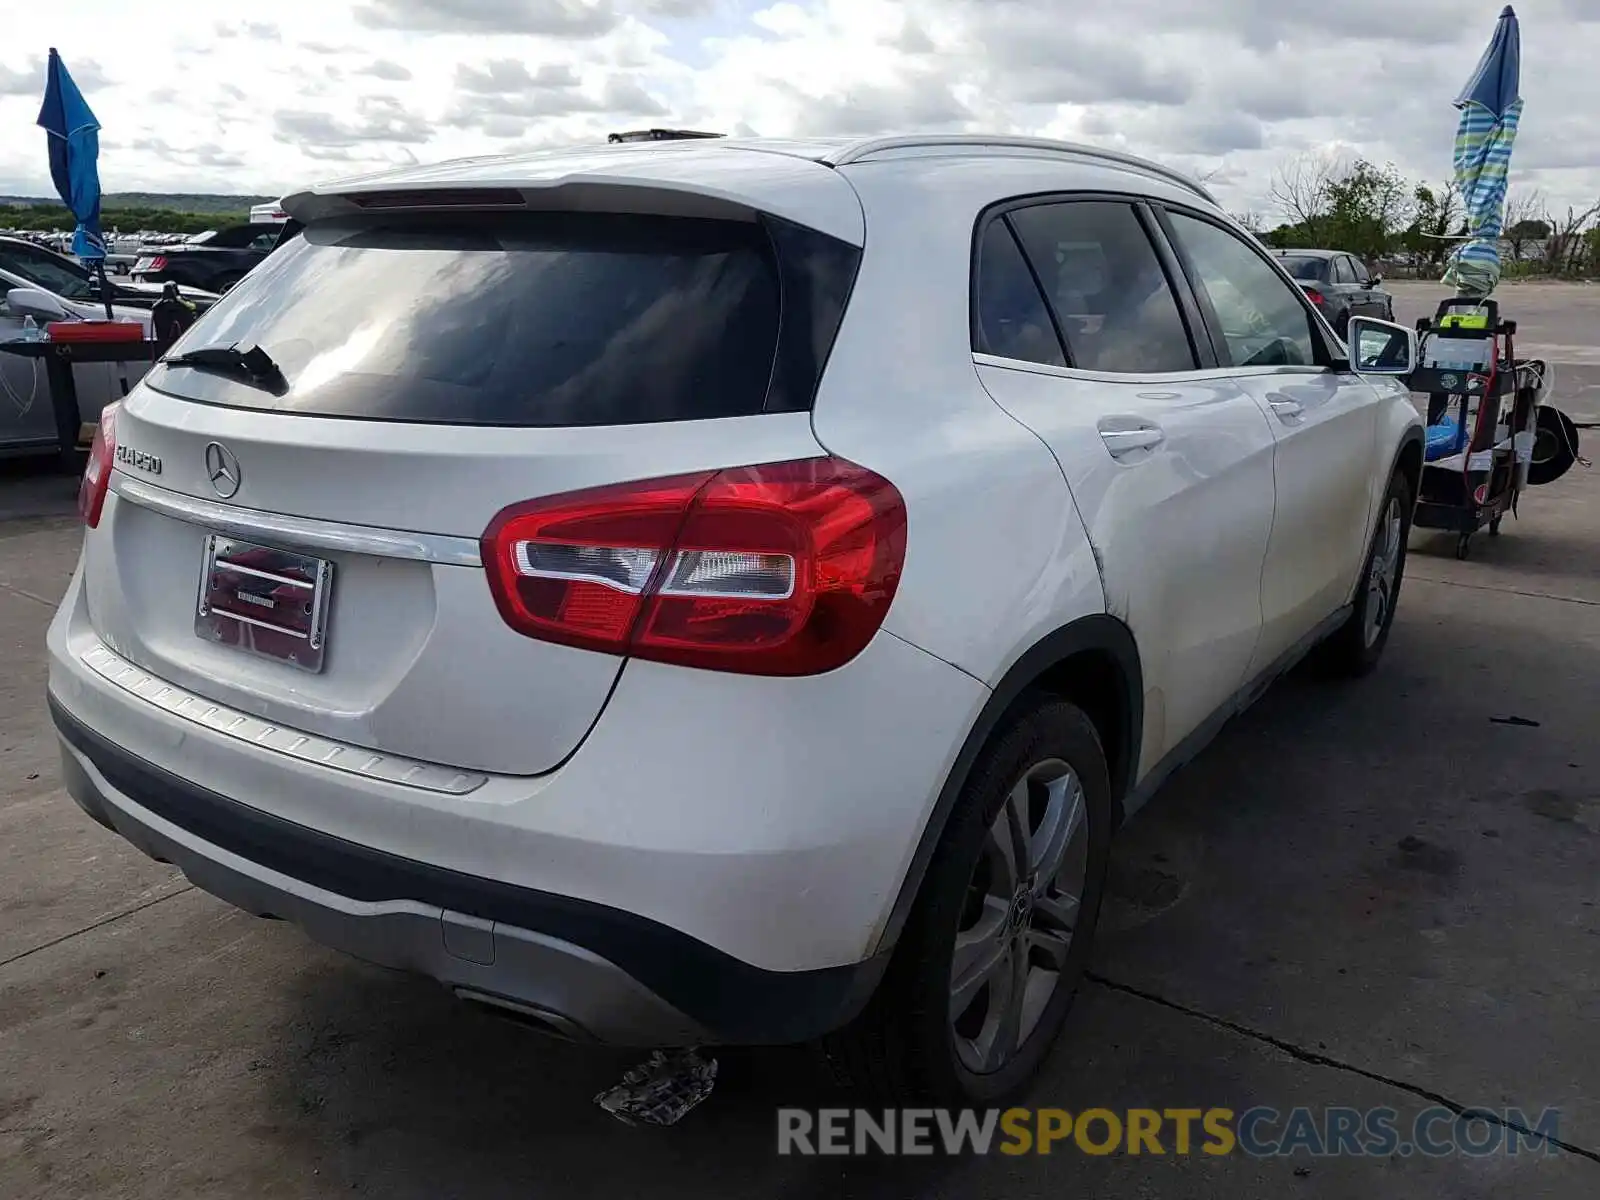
[
  {"x": 1383, "y": 575},
  {"x": 1017, "y": 923}
]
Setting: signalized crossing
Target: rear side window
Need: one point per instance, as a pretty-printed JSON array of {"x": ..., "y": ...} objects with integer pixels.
[
  {"x": 530, "y": 319},
  {"x": 1342, "y": 272},
  {"x": 1013, "y": 321},
  {"x": 1101, "y": 275},
  {"x": 234, "y": 237}
]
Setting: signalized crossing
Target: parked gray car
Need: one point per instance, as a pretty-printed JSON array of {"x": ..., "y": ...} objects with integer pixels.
[{"x": 1339, "y": 284}]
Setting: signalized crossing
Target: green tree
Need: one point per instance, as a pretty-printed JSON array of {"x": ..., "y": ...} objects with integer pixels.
[
  {"x": 1335, "y": 204},
  {"x": 1438, "y": 214},
  {"x": 1367, "y": 208}
]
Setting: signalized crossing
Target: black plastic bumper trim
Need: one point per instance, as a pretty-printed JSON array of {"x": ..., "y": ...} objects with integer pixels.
[{"x": 735, "y": 1001}]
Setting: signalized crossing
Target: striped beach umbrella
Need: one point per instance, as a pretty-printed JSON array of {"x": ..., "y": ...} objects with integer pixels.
[{"x": 1491, "y": 107}]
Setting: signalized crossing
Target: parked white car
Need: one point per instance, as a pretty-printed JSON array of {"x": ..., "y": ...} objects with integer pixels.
[
  {"x": 27, "y": 419},
  {"x": 725, "y": 591}
]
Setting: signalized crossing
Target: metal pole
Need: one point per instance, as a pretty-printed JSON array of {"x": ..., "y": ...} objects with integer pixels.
[
  {"x": 105, "y": 287},
  {"x": 105, "y": 295}
]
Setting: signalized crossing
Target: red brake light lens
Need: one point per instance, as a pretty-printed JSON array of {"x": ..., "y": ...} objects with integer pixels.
[
  {"x": 1314, "y": 296},
  {"x": 573, "y": 569},
  {"x": 97, "y": 475},
  {"x": 779, "y": 569}
]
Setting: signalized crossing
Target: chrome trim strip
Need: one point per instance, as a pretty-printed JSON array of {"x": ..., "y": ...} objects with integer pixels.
[
  {"x": 291, "y": 743},
  {"x": 280, "y": 580},
  {"x": 1147, "y": 379},
  {"x": 244, "y": 620},
  {"x": 252, "y": 524}
]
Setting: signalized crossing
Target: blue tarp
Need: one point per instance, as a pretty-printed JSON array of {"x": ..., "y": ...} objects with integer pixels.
[{"x": 74, "y": 141}]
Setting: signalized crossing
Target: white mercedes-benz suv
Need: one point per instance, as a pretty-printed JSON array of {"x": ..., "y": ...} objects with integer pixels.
[{"x": 724, "y": 591}]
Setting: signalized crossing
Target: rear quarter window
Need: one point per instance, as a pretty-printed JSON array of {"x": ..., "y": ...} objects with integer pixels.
[
  {"x": 538, "y": 319},
  {"x": 1309, "y": 270}
]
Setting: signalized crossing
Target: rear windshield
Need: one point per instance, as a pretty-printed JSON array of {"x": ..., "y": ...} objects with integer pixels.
[
  {"x": 1304, "y": 267},
  {"x": 520, "y": 320}
]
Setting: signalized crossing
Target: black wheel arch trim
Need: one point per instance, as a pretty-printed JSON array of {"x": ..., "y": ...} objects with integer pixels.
[
  {"x": 732, "y": 999},
  {"x": 1098, "y": 633},
  {"x": 1413, "y": 436}
]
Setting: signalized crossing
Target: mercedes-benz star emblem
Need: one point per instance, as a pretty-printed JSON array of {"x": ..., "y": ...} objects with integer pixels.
[{"x": 222, "y": 469}]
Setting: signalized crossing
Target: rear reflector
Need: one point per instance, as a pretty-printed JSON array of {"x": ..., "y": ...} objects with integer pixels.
[
  {"x": 97, "y": 475},
  {"x": 779, "y": 569}
]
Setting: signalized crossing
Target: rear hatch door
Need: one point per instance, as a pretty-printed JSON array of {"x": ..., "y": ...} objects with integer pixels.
[{"x": 436, "y": 369}]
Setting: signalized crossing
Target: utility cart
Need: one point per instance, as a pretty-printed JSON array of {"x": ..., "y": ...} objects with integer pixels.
[{"x": 1482, "y": 418}]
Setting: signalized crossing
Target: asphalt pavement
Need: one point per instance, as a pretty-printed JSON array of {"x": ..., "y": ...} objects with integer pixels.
[{"x": 1372, "y": 896}]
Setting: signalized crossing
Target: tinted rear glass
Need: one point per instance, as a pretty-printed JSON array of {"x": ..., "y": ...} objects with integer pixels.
[
  {"x": 523, "y": 320},
  {"x": 1309, "y": 269}
]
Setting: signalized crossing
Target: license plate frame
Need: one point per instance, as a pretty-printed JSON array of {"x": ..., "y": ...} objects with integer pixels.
[{"x": 265, "y": 601}]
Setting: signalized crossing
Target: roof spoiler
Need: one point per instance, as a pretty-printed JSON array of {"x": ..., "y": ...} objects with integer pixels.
[{"x": 659, "y": 135}]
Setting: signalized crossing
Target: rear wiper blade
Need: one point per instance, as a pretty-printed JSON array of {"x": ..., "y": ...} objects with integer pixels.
[{"x": 252, "y": 365}]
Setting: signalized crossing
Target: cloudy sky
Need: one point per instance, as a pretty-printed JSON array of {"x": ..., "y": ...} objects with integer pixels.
[{"x": 264, "y": 97}]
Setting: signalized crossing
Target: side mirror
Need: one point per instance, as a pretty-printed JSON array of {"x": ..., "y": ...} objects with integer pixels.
[
  {"x": 1376, "y": 280},
  {"x": 40, "y": 305},
  {"x": 1381, "y": 347}
]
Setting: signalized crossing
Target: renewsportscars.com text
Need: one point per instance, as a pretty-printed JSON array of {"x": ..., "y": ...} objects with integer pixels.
[{"x": 1259, "y": 1132}]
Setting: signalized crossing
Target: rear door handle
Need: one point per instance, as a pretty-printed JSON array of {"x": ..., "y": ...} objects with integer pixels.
[
  {"x": 1286, "y": 408},
  {"x": 1125, "y": 441}
]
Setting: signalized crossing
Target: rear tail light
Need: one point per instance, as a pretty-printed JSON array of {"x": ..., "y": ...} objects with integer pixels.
[
  {"x": 158, "y": 263},
  {"x": 97, "y": 475},
  {"x": 780, "y": 569},
  {"x": 1314, "y": 296}
]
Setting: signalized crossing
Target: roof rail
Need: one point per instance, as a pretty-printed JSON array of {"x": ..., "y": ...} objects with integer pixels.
[
  {"x": 867, "y": 147},
  {"x": 658, "y": 135}
]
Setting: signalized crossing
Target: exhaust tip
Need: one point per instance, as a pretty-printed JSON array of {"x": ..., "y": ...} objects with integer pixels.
[{"x": 527, "y": 1015}]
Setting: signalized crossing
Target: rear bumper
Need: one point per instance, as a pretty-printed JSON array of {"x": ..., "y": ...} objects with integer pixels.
[{"x": 583, "y": 969}]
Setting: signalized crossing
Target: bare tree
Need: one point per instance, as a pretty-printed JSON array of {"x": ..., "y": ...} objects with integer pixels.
[
  {"x": 1302, "y": 189},
  {"x": 1252, "y": 221},
  {"x": 1452, "y": 207},
  {"x": 1566, "y": 237},
  {"x": 1523, "y": 223}
]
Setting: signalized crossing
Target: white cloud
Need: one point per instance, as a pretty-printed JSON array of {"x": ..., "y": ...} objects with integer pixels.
[{"x": 238, "y": 103}]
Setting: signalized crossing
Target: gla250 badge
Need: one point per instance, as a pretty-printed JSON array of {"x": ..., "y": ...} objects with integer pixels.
[{"x": 139, "y": 460}]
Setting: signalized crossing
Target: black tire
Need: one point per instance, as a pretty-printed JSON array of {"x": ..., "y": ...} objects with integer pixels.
[
  {"x": 1555, "y": 446},
  {"x": 904, "y": 1046},
  {"x": 1342, "y": 325},
  {"x": 1356, "y": 646}
]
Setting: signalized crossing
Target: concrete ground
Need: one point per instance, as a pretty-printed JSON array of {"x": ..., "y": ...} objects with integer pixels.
[{"x": 1378, "y": 894}]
